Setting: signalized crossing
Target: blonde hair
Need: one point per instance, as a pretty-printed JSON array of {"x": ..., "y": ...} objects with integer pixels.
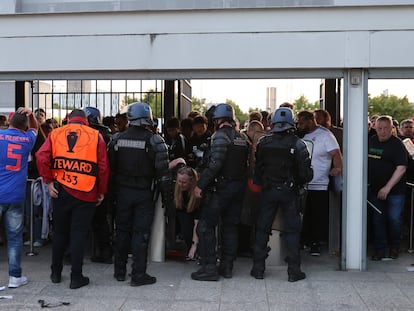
[{"x": 193, "y": 202}]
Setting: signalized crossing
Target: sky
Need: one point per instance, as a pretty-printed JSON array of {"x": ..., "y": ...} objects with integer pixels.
[{"x": 252, "y": 93}]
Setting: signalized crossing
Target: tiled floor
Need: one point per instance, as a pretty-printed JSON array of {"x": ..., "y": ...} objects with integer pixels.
[{"x": 384, "y": 286}]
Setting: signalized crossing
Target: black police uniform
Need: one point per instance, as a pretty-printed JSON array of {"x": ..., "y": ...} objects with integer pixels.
[
  {"x": 223, "y": 182},
  {"x": 102, "y": 229},
  {"x": 137, "y": 156},
  {"x": 283, "y": 167}
]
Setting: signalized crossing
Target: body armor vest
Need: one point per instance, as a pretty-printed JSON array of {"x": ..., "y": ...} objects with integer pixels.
[
  {"x": 278, "y": 159},
  {"x": 134, "y": 167},
  {"x": 235, "y": 164}
]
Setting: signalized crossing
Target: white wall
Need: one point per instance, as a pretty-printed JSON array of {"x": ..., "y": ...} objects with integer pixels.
[{"x": 186, "y": 43}]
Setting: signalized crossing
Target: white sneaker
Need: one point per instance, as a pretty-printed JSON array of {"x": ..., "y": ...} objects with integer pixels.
[
  {"x": 35, "y": 243},
  {"x": 17, "y": 282}
]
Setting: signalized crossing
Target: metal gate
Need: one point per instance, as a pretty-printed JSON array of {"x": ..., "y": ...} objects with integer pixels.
[{"x": 59, "y": 97}]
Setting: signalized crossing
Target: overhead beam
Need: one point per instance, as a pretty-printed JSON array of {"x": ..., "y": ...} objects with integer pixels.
[{"x": 275, "y": 39}]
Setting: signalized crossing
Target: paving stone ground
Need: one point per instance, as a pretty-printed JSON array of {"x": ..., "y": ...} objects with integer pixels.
[{"x": 384, "y": 286}]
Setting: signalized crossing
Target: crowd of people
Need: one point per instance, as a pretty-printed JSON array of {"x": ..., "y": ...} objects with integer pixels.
[{"x": 102, "y": 177}]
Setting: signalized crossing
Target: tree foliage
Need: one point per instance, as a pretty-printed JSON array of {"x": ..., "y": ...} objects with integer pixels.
[
  {"x": 152, "y": 98},
  {"x": 199, "y": 104},
  {"x": 302, "y": 103},
  {"x": 397, "y": 107},
  {"x": 240, "y": 115},
  {"x": 254, "y": 109}
]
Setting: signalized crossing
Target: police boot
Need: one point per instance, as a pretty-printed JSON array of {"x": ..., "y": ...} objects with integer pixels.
[
  {"x": 258, "y": 269},
  {"x": 78, "y": 280},
  {"x": 295, "y": 274},
  {"x": 226, "y": 269},
  {"x": 120, "y": 274},
  {"x": 144, "y": 279},
  {"x": 139, "y": 262},
  {"x": 119, "y": 270},
  {"x": 56, "y": 275},
  {"x": 259, "y": 265},
  {"x": 207, "y": 272}
]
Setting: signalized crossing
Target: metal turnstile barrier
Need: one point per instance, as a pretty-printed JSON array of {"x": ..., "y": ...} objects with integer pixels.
[{"x": 33, "y": 182}]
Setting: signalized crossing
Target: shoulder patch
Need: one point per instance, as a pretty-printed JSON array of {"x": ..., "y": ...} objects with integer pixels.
[
  {"x": 129, "y": 143},
  {"x": 240, "y": 142}
]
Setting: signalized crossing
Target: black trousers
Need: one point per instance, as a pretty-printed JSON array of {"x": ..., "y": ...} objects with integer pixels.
[
  {"x": 186, "y": 221},
  {"x": 285, "y": 200},
  {"x": 225, "y": 202},
  {"x": 101, "y": 231},
  {"x": 71, "y": 221},
  {"x": 316, "y": 217},
  {"x": 134, "y": 216}
]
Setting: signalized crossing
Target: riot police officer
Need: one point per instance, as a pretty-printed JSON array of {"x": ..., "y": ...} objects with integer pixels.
[
  {"x": 283, "y": 167},
  {"x": 221, "y": 185},
  {"x": 137, "y": 157},
  {"x": 101, "y": 248},
  {"x": 94, "y": 117}
]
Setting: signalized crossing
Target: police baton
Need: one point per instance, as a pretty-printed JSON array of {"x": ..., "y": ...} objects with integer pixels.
[{"x": 374, "y": 207}]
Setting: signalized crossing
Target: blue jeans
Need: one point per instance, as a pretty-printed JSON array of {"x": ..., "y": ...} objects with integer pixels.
[
  {"x": 13, "y": 222},
  {"x": 391, "y": 219}
]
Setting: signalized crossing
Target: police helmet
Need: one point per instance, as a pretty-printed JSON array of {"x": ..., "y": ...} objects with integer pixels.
[
  {"x": 283, "y": 120},
  {"x": 139, "y": 114},
  {"x": 93, "y": 115},
  {"x": 224, "y": 111}
]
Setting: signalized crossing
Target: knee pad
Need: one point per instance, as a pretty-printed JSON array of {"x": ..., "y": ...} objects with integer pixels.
[
  {"x": 145, "y": 238},
  {"x": 201, "y": 227}
]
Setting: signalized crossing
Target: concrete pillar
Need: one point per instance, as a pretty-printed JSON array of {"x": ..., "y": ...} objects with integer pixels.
[{"x": 355, "y": 170}]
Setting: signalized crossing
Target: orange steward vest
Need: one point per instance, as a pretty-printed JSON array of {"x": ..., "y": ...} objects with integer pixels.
[{"x": 75, "y": 156}]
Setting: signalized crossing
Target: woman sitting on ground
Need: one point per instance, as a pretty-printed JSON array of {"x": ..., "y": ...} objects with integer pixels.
[{"x": 187, "y": 208}]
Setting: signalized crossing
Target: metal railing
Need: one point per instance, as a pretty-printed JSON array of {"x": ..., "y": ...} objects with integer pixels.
[{"x": 33, "y": 182}]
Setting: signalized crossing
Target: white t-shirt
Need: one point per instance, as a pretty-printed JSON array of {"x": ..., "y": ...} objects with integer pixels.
[{"x": 323, "y": 143}]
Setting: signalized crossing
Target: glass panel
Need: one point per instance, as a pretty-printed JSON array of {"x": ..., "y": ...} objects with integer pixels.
[
  {"x": 74, "y": 86},
  {"x": 159, "y": 85},
  {"x": 103, "y": 86},
  {"x": 118, "y": 85},
  {"x": 45, "y": 86},
  {"x": 155, "y": 100},
  {"x": 133, "y": 85},
  {"x": 78, "y": 101},
  {"x": 112, "y": 109},
  {"x": 47, "y": 104},
  {"x": 60, "y": 86},
  {"x": 149, "y": 85},
  {"x": 71, "y": 101},
  {"x": 116, "y": 105},
  {"x": 86, "y": 100},
  {"x": 58, "y": 102},
  {"x": 99, "y": 100},
  {"x": 88, "y": 86},
  {"x": 93, "y": 99}
]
